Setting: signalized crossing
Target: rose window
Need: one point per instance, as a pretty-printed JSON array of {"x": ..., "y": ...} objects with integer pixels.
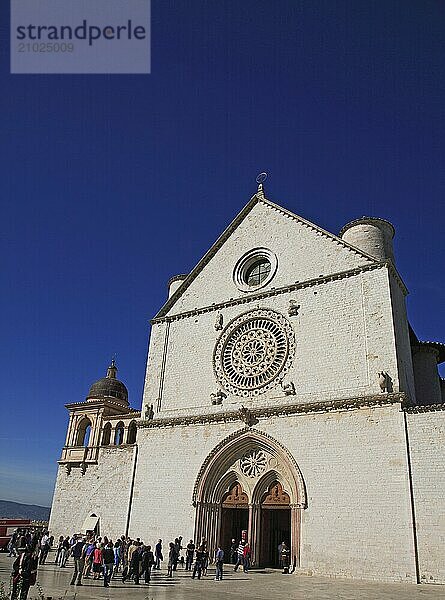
[
  {"x": 253, "y": 463},
  {"x": 254, "y": 352}
]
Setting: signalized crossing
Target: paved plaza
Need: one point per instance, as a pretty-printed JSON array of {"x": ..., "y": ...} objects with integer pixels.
[{"x": 261, "y": 584}]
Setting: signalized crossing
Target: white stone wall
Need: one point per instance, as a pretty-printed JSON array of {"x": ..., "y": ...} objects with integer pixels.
[
  {"x": 354, "y": 464},
  {"x": 303, "y": 253},
  {"x": 344, "y": 337},
  {"x": 104, "y": 490},
  {"x": 427, "y": 443},
  {"x": 402, "y": 341},
  {"x": 162, "y": 504}
]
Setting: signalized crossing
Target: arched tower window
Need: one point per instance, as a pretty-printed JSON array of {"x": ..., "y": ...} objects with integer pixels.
[
  {"x": 83, "y": 432},
  {"x": 119, "y": 434},
  {"x": 131, "y": 435},
  {"x": 106, "y": 435}
]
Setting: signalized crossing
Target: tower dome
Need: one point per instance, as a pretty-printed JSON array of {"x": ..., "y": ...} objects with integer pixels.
[{"x": 109, "y": 387}]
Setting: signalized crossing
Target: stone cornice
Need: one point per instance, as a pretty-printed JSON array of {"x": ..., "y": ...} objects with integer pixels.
[
  {"x": 130, "y": 415},
  {"x": 274, "y": 292},
  {"x": 276, "y": 411},
  {"x": 78, "y": 406},
  {"x": 425, "y": 408},
  {"x": 392, "y": 269}
]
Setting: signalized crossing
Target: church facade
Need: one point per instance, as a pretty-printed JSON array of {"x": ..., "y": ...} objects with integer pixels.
[{"x": 286, "y": 398}]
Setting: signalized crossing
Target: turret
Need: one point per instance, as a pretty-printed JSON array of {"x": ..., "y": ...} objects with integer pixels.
[
  {"x": 371, "y": 235},
  {"x": 429, "y": 386},
  {"x": 174, "y": 283}
]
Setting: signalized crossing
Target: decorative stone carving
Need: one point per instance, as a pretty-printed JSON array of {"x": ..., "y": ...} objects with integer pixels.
[
  {"x": 246, "y": 416},
  {"x": 253, "y": 463},
  {"x": 276, "y": 496},
  {"x": 288, "y": 388},
  {"x": 254, "y": 352},
  {"x": 219, "y": 321},
  {"x": 218, "y": 397},
  {"x": 83, "y": 468},
  {"x": 149, "y": 413},
  {"x": 235, "y": 497},
  {"x": 384, "y": 381},
  {"x": 293, "y": 309},
  {"x": 68, "y": 468}
]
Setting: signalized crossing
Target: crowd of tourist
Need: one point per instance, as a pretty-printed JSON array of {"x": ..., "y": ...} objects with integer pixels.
[{"x": 95, "y": 557}]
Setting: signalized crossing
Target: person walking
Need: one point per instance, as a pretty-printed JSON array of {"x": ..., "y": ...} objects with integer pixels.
[
  {"x": 219, "y": 562},
  {"x": 24, "y": 572},
  {"x": 189, "y": 553},
  {"x": 178, "y": 548},
  {"x": 135, "y": 564},
  {"x": 117, "y": 555},
  {"x": 199, "y": 556},
  {"x": 205, "y": 561},
  {"x": 239, "y": 555},
  {"x": 59, "y": 551},
  {"x": 233, "y": 551},
  {"x": 158, "y": 554},
  {"x": 97, "y": 561},
  {"x": 108, "y": 563},
  {"x": 13, "y": 543},
  {"x": 77, "y": 552},
  {"x": 44, "y": 548},
  {"x": 66, "y": 549},
  {"x": 246, "y": 557},
  {"x": 172, "y": 559},
  {"x": 90, "y": 547},
  {"x": 285, "y": 558},
  {"x": 147, "y": 563},
  {"x": 132, "y": 561}
]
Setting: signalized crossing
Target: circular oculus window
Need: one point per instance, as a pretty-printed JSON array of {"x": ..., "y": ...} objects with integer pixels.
[
  {"x": 255, "y": 269},
  {"x": 254, "y": 352}
]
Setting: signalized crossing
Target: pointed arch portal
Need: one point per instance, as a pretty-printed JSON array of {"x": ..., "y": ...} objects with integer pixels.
[{"x": 250, "y": 485}]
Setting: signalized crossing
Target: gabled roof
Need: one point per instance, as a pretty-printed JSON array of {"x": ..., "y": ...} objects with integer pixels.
[{"x": 256, "y": 199}]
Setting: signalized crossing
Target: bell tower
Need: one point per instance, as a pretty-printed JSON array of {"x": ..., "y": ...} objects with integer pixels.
[{"x": 91, "y": 422}]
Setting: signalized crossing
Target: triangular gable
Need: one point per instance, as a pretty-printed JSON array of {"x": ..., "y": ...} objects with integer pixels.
[{"x": 241, "y": 216}]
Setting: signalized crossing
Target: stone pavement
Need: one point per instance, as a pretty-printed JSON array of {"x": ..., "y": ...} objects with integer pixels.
[{"x": 257, "y": 585}]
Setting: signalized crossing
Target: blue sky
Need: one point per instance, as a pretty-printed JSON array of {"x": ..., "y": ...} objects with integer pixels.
[{"x": 112, "y": 184}]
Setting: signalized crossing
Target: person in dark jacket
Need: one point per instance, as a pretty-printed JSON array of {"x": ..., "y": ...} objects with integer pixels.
[
  {"x": 158, "y": 554},
  {"x": 135, "y": 563},
  {"x": 199, "y": 558},
  {"x": 189, "y": 553},
  {"x": 78, "y": 555},
  {"x": 233, "y": 551},
  {"x": 285, "y": 557},
  {"x": 148, "y": 561},
  {"x": 108, "y": 562},
  {"x": 172, "y": 559},
  {"x": 24, "y": 572}
]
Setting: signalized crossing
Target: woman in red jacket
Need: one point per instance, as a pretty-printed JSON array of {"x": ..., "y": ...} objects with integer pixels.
[{"x": 97, "y": 561}]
